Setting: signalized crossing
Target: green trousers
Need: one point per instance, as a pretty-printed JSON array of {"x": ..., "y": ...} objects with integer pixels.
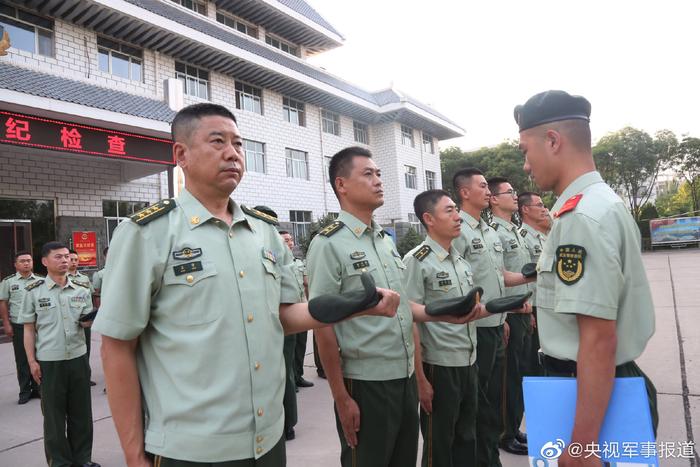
[
  {"x": 275, "y": 457},
  {"x": 517, "y": 361},
  {"x": 449, "y": 432},
  {"x": 626, "y": 370},
  {"x": 88, "y": 335},
  {"x": 491, "y": 360},
  {"x": 27, "y": 385},
  {"x": 290, "y": 387},
  {"x": 388, "y": 435},
  {"x": 534, "y": 366},
  {"x": 299, "y": 354},
  {"x": 67, "y": 409}
]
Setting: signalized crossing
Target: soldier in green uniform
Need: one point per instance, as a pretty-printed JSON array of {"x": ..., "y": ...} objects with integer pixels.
[
  {"x": 535, "y": 225},
  {"x": 504, "y": 204},
  {"x": 97, "y": 279},
  {"x": 11, "y": 295},
  {"x": 445, "y": 359},
  {"x": 596, "y": 312},
  {"x": 480, "y": 245},
  {"x": 76, "y": 275},
  {"x": 369, "y": 362},
  {"x": 55, "y": 346},
  {"x": 199, "y": 294}
]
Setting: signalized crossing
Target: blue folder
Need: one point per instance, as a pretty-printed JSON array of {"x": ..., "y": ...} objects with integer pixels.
[{"x": 626, "y": 437}]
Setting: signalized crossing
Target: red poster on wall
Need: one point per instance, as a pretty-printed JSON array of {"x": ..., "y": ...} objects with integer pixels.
[{"x": 85, "y": 244}]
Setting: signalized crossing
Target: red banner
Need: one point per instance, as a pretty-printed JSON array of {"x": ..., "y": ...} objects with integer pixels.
[{"x": 85, "y": 244}]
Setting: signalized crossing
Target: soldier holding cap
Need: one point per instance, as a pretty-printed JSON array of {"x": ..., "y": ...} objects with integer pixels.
[
  {"x": 199, "y": 292},
  {"x": 596, "y": 313}
]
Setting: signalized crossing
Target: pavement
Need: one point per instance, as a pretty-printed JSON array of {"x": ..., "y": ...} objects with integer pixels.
[{"x": 671, "y": 359}]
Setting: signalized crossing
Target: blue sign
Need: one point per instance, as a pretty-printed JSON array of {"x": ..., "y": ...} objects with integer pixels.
[
  {"x": 626, "y": 437},
  {"x": 675, "y": 230}
]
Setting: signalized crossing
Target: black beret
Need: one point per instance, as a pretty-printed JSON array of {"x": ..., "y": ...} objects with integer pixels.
[
  {"x": 503, "y": 304},
  {"x": 331, "y": 308},
  {"x": 551, "y": 106},
  {"x": 458, "y": 306},
  {"x": 529, "y": 270}
]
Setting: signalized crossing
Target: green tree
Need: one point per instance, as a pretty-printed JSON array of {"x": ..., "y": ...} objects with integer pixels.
[
  {"x": 317, "y": 225},
  {"x": 408, "y": 242},
  {"x": 687, "y": 161},
  {"x": 630, "y": 160}
]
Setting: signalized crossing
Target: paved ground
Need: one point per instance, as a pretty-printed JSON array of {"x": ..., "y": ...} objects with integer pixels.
[{"x": 672, "y": 360}]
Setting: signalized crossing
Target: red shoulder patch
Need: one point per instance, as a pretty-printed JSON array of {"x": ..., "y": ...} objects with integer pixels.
[{"x": 570, "y": 205}]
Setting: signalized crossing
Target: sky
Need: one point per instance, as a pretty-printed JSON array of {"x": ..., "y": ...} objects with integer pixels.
[{"x": 473, "y": 61}]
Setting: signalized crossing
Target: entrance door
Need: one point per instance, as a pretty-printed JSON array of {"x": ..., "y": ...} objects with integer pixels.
[{"x": 15, "y": 235}]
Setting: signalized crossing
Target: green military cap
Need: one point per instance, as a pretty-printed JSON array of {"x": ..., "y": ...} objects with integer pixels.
[
  {"x": 551, "y": 106},
  {"x": 456, "y": 306},
  {"x": 503, "y": 304},
  {"x": 331, "y": 308},
  {"x": 529, "y": 270}
]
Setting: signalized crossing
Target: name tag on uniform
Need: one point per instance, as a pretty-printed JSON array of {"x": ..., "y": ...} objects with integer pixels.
[
  {"x": 476, "y": 244},
  {"x": 513, "y": 244},
  {"x": 77, "y": 300},
  {"x": 181, "y": 269},
  {"x": 45, "y": 303},
  {"x": 444, "y": 282},
  {"x": 360, "y": 264},
  {"x": 14, "y": 288}
]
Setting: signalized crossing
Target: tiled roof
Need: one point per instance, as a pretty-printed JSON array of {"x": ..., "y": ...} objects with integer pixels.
[
  {"x": 303, "y": 8},
  {"x": 67, "y": 90}
]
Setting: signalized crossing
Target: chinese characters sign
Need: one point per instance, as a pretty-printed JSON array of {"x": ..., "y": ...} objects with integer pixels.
[
  {"x": 85, "y": 244},
  {"x": 43, "y": 133}
]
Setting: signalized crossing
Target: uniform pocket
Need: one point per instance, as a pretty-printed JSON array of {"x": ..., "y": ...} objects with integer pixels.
[
  {"x": 185, "y": 284},
  {"x": 273, "y": 284},
  {"x": 545, "y": 282}
]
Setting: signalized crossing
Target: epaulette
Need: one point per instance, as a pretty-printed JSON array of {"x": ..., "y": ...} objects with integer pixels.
[
  {"x": 570, "y": 205},
  {"x": 523, "y": 232},
  {"x": 331, "y": 228},
  {"x": 494, "y": 225},
  {"x": 9, "y": 277},
  {"x": 81, "y": 284},
  {"x": 153, "y": 212},
  {"x": 34, "y": 285},
  {"x": 260, "y": 215},
  {"x": 422, "y": 252}
]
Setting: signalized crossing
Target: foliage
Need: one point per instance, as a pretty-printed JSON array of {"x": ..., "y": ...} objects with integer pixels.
[
  {"x": 408, "y": 242},
  {"x": 687, "y": 161},
  {"x": 317, "y": 225},
  {"x": 630, "y": 160},
  {"x": 676, "y": 202}
]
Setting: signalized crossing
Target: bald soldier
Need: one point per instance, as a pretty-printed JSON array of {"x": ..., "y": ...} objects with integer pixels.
[
  {"x": 198, "y": 294},
  {"x": 595, "y": 311}
]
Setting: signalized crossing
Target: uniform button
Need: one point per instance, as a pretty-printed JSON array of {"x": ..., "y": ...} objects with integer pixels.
[
  {"x": 250, "y": 317},
  {"x": 190, "y": 278},
  {"x": 385, "y": 265},
  {"x": 400, "y": 318},
  {"x": 406, "y": 343},
  {"x": 257, "y": 365},
  {"x": 259, "y": 450},
  {"x": 260, "y": 412},
  {"x": 230, "y": 235},
  {"x": 241, "y": 274},
  {"x": 259, "y": 439},
  {"x": 364, "y": 269}
]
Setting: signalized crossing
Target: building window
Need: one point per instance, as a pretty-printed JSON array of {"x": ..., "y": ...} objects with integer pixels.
[
  {"x": 282, "y": 45},
  {"x": 227, "y": 19},
  {"x": 115, "y": 212},
  {"x": 407, "y": 136},
  {"x": 194, "y": 5},
  {"x": 248, "y": 98},
  {"x": 294, "y": 111},
  {"x": 428, "y": 144},
  {"x": 27, "y": 31},
  {"x": 330, "y": 122},
  {"x": 297, "y": 163},
  {"x": 361, "y": 132},
  {"x": 416, "y": 224},
  {"x": 119, "y": 59},
  {"x": 429, "y": 180},
  {"x": 410, "y": 177},
  {"x": 254, "y": 156},
  {"x": 301, "y": 224},
  {"x": 194, "y": 80}
]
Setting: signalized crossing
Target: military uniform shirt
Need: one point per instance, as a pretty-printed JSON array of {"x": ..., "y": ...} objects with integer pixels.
[
  {"x": 591, "y": 265},
  {"x": 97, "y": 281},
  {"x": 55, "y": 310},
  {"x": 372, "y": 348},
  {"x": 437, "y": 276},
  {"x": 534, "y": 239},
  {"x": 480, "y": 245},
  {"x": 81, "y": 278},
  {"x": 203, "y": 299},
  {"x": 516, "y": 253},
  {"x": 12, "y": 291},
  {"x": 299, "y": 273}
]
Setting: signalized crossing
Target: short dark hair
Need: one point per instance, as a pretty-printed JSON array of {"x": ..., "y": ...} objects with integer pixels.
[
  {"x": 462, "y": 177},
  {"x": 341, "y": 163},
  {"x": 186, "y": 119},
  {"x": 72, "y": 251},
  {"x": 426, "y": 201},
  {"x": 524, "y": 199},
  {"x": 48, "y": 247},
  {"x": 21, "y": 253},
  {"x": 284, "y": 232},
  {"x": 495, "y": 182}
]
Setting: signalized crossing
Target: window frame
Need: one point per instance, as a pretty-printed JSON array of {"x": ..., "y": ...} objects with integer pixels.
[
  {"x": 291, "y": 49},
  {"x": 109, "y": 49},
  {"x": 332, "y": 119},
  {"x": 186, "y": 78},
  {"x": 300, "y": 225},
  {"x": 251, "y": 30},
  {"x": 243, "y": 96},
  {"x": 291, "y": 162},
  {"x": 430, "y": 181},
  {"x": 360, "y": 128},
  {"x": 49, "y": 33},
  {"x": 262, "y": 155},
  {"x": 428, "y": 140},
  {"x": 196, "y": 6},
  {"x": 292, "y": 106},
  {"x": 407, "y": 134},
  {"x": 410, "y": 177}
]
